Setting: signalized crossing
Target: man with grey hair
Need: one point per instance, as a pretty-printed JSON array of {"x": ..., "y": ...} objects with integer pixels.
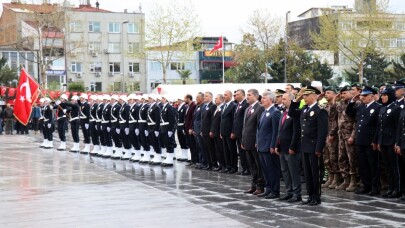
[
  {"x": 251, "y": 121},
  {"x": 196, "y": 130},
  {"x": 208, "y": 110},
  {"x": 215, "y": 132},
  {"x": 230, "y": 154}
]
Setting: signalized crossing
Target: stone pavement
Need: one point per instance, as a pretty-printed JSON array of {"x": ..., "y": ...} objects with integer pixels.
[{"x": 49, "y": 188}]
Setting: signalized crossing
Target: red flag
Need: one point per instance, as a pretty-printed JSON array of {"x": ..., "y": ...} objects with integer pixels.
[
  {"x": 218, "y": 45},
  {"x": 27, "y": 92}
]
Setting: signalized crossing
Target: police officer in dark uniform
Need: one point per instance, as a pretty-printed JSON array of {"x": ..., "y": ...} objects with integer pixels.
[
  {"x": 143, "y": 129},
  {"x": 124, "y": 127},
  {"x": 106, "y": 126},
  {"x": 85, "y": 121},
  {"x": 279, "y": 96},
  {"x": 74, "y": 122},
  {"x": 387, "y": 127},
  {"x": 133, "y": 117},
  {"x": 366, "y": 139},
  {"x": 314, "y": 130},
  {"x": 61, "y": 109},
  {"x": 153, "y": 121},
  {"x": 49, "y": 125},
  {"x": 93, "y": 125},
  {"x": 41, "y": 121},
  {"x": 181, "y": 133},
  {"x": 115, "y": 126},
  {"x": 167, "y": 129},
  {"x": 99, "y": 126}
]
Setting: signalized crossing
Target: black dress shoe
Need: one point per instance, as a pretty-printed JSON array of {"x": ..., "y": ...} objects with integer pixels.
[
  {"x": 224, "y": 170},
  {"x": 258, "y": 191},
  {"x": 250, "y": 191},
  {"x": 206, "y": 168},
  {"x": 286, "y": 197},
  {"x": 190, "y": 164},
  {"x": 374, "y": 193},
  {"x": 385, "y": 195},
  {"x": 246, "y": 173},
  {"x": 273, "y": 196},
  {"x": 362, "y": 191},
  {"x": 395, "y": 194},
  {"x": 306, "y": 201},
  {"x": 403, "y": 198},
  {"x": 314, "y": 202},
  {"x": 231, "y": 171},
  {"x": 216, "y": 169},
  {"x": 264, "y": 194},
  {"x": 295, "y": 199}
]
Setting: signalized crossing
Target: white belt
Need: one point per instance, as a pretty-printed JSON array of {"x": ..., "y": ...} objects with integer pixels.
[
  {"x": 46, "y": 119},
  {"x": 92, "y": 120},
  {"x": 141, "y": 121},
  {"x": 164, "y": 123},
  {"x": 132, "y": 121},
  {"x": 180, "y": 124},
  {"x": 113, "y": 121},
  {"x": 75, "y": 118},
  {"x": 61, "y": 117},
  {"x": 122, "y": 121},
  {"x": 151, "y": 124},
  {"x": 105, "y": 121},
  {"x": 98, "y": 121}
]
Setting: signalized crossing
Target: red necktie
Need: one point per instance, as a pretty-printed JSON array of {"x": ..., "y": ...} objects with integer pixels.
[
  {"x": 284, "y": 117},
  {"x": 249, "y": 109}
]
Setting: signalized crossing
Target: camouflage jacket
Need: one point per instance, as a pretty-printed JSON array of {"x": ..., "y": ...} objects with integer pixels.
[
  {"x": 346, "y": 123},
  {"x": 332, "y": 118}
]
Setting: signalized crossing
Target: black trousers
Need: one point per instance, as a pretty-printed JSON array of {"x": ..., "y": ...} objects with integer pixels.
[
  {"x": 258, "y": 181},
  {"x": 201, "y": 156},
  {"x": 86, "y": 132},
  {"x": 94, "y": 133},
  {"x": 193, "y": 147},
  {"x": 242, "y": 154},
  {"x": 390, "y": 160},
  {"x": 48, "y": 131},
  {"x": 168, "y": 142},
  {"x": 74, "y": 125},
  {"x": 182, "y": 138},
  {"x": 116, "y": 136},
  {"x": 143, "y": 138},
  {"x": 209, "y": 147},
  {"x": 61, "y": 129},
  {"x": 100, "y": 133},
  {"x": 230, "y": 153},
  {"x": 369, "y": 167},
  {"x": 35, "y": 126},
  {"x": 124, "y": 136},
  {"x": 133, "y": 138},
  {"x": 154, "y": 141},
  {"x": 219, "y": 151},
  {"x": 312, "y": 178},
  {"x": 107, "y": 134}
]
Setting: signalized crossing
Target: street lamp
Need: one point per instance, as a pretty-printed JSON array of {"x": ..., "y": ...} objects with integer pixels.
[
  {"x": 285, "y": 46},
  {"x": 122, "y": 54}
]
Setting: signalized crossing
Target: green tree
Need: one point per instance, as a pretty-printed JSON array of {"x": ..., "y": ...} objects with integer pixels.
[
  {"x": 76, "y": 87},
  {"x": 7, "y": 74},
  {"x": 184, "y": 75},
  {"x": 397, "y": 69}
]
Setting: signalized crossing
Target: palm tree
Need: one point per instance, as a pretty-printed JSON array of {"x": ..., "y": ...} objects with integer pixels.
[{"x": 184, "y": 75}]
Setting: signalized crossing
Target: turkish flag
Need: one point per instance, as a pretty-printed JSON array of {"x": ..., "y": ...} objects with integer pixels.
[
  {"x": 27, "y": 93},
  {"x": 218, "y": 45}
]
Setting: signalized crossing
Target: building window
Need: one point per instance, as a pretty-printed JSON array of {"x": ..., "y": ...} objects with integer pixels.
[
  {"x": 133, "y": 28},
  {"x": 133, "y": 86},
  {"x": 94, "y": 47},
  {"x": 75, "y": 26},
  {"x": 400, "y": 42},
  {"x": 114, "y": 27},
  {"x": 114, "y": 47},
  {"x": 211, "y": 66},
  {"x": 13, "y": 60},
  {"x": 94, "y": 26},
  {"x": 115, "y": 67},
  {"x": 190, "y": 66},
  {"x": 99, "y": 86},
  {"x": 95, "y": 67},
  {"x": 133, "y": 67},
  {"x": 176, "y": 66},
  {"x": 76, "y": 67},
  {"x": 155, "y": 66},
  {"x": 133, "y": 47}
]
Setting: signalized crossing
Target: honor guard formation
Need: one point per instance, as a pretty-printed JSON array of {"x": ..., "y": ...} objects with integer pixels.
[{"x": 348, "y": 139}]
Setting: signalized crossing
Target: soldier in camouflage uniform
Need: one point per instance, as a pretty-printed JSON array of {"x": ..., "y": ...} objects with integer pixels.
[
  {"x": 330, "y": 155},
  {"x": 347, "y": 151}
]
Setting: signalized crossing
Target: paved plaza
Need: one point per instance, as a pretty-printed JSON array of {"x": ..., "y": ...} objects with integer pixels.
[{"x": 49, "y": 188}]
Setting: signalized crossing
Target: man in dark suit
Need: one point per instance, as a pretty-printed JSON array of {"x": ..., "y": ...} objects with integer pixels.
[
  {"x": 237, "y": 128},
  {"x": 314, "y": 129},
  {"x": 366, "y": 139},
  {"x": 230, "y": 154},
  {"x": 288, "y": 150},
  {"x": 188, "y": 125},
  {"x": 196, "y": 131},
  {"x": 266, "y": 139},
  {"x": 153, "y": 121},
  {"x": 181, "y": 133},
  {"x": 251, "y": 121},
  {"x": 208, "y": 142},
  {"x": 215, "y": 132},
  {"x": 167, "y": 129}
]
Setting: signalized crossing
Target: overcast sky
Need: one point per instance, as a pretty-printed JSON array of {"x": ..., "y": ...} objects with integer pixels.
[{"x": 228, "y": 16}]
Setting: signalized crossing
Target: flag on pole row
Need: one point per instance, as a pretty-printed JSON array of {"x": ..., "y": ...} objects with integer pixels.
[
  {"x": 27, "y": 93},
  {"x": 218, "y": 45}
]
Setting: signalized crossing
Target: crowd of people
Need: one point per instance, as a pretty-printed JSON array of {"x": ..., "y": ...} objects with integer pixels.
[
  {"x": 354, "y": 134},
  {"x": 10, "y": 125}
]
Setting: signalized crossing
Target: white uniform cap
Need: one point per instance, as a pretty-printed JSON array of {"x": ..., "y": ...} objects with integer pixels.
[
  {"x": 152, "y": 96},
  {"x": 107, "y": 97},
  {"x": 42, "y": 100},
  {"x": 158, "y": 97},
  {"x": 115, "y": 97},
  {"x": 84, "y": 96},
  {"x": 124, "y": 98},
  {"x": 47, "y": 99},
  {"x": 165, "y": 96},
  {"x": 132, "y": 96},
  {"x": 64, "y": 96},
  {"x": 93, "y": 97},
  {"x": 100, "y": 97},
  {"x": 145, "y": 96},
  {"x": 74, "y": 97}
]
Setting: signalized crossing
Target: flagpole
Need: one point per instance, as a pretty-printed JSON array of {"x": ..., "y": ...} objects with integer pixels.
[{"x": 223, "y": 60}]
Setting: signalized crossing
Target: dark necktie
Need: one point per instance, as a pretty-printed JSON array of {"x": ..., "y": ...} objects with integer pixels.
[
  {"x": 248, "y": 111},
  {"x": 284, "y": 117}
]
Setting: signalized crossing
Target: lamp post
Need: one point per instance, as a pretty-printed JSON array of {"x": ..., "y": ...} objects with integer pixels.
[
  {"x": 285, "y": 46},
  {"x": 122, "y": 54}
]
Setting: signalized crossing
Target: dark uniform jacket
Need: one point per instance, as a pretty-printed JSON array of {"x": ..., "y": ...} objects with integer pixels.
[
  {"x": 115, "y": 115},
  {"x": 124, "y": 115},
  {"x": 288, "y": 134},
  {"x": 169, "y": 120},
  {"x": 197, "y": 119},
  {"x": 227, "y": 119},
  {"x": 188, "y": 118},
  {"x": 93, "y": 112},
  {"x": 181, "y": 114},
  {"x": 153, "y": 118},
  {"x": 206, "y": 119},
  {"x": 216, "y": 121},
  {"x": 238, "y": 118},
  {"x": 84, "y": 112},
  {"x": 106, "y": 117},
  {"x": 387, "y": 124},
  {"x": 251, "y": 122}
]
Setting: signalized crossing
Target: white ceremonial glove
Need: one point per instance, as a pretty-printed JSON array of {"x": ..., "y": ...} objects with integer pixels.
[
  {"x": 184, "y": 132},
  {"x": 170, "y": 133},
  {"x": 127, "y": 131},
  {"x": 86, "y": 126},
  {"x": 146, "y": 133},
  {"x": 117, "y": 130},
  {"x": 137, "y": 132},
  {"x": 64, "y": 110},
  {"x": 156, "y": 133},
  {"x": 57, "y": 102},
  {"x": 96, "y": 126},
  {"x": 49, "y": 125},
  {"x": 108, "y": 129}
]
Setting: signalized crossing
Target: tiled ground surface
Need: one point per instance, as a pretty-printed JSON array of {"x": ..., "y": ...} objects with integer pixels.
[{"x": 48, "y": 188}]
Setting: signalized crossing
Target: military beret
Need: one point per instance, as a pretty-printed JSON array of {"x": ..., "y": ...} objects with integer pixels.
[
  {"x": 356, "y": 84},
  {"x": 345, "y": 88},
  {"x": 329, "y": 88}
]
